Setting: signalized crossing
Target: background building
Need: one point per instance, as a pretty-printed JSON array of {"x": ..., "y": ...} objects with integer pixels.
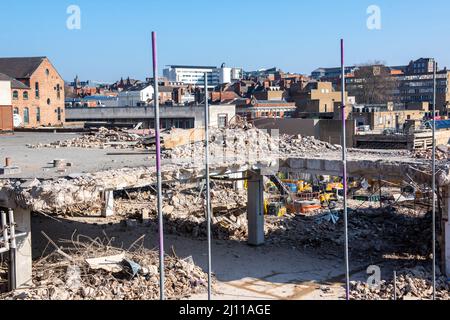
[
  {"x": 195, "y": 75},
  {"x": 38, "y": 93},
  {"x": 137, "y": 96}
]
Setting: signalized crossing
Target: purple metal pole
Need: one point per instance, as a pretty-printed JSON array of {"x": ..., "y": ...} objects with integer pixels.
[
  {"x": 344, "y": 163},
  {"x": 158, "y": 168}
]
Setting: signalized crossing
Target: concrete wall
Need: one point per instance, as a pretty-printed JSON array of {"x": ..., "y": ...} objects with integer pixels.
[
  {"x": 294, "y": 126},
  {"x": 325, "y": 130},
  {"x": 331, "y": 131},
  {"x": 5, "y": 93}
]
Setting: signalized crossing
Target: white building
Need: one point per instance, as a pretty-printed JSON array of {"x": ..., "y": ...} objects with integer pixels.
[
  {"x": 137, "y": 96},
  {"x": 195, "y": 75},
  {"x": 5, "y": 91}
]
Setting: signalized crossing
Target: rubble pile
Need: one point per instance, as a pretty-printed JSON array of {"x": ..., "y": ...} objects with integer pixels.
[
  {"x": 236, "y": 143},
  {"x": 413, "y": 283},
  {"x": 184, "y": 211},
  {"x": 93, "y": 270},
  {"x": 101, "y": 139},
  {"x": 243, "y": 144},
  {"x": 441, "y": 153},
  {"x": 294, "y": 144},
  {"x": 372, "y": 232}
]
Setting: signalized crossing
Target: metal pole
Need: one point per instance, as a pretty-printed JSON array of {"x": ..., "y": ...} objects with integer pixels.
[
  {"x": 158, "y": 168},
  {"x": 344, "y": 163},
  {"x": 434, "y": 180},
  {"x": 208, "y": 187},
  {"x": 395, "y": 285},
  {"x": 12, "y": 252},
  {"x": 4, "y": 228}
]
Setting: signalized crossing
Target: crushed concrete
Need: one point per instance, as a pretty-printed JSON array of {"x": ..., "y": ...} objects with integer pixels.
[
  {"x": 101, "y": 139},
  {"x": 58, "y": 278},
  {"x": 372, "y": 231},
  {"x": 441, "y": 153},
  {"x": 413, "y": 283},
  {"x": 238, "y": 143}
]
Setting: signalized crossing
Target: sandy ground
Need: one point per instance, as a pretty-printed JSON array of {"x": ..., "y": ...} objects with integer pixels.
[{"x": 243, "y": 272}]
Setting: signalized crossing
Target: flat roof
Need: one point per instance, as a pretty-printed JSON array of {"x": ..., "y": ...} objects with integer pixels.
[{"x": 191, "y": 67}]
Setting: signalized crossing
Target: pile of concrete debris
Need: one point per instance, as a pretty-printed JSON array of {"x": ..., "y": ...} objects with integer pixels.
[
  {"x": 374, "y": 230},
  {"x": 243, "y": 144},
  {"x": 412, "y": 284},
  {"x": 101, "y": 139},
  {"x": 294, "y": 144},
  {"x": 93, "y": 270},
  {"x": 184, "y": 211},
  {"x": 442, "y": 153}
]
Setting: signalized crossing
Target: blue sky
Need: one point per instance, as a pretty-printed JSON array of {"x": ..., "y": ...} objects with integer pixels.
[{"x": 294, "y": 35}]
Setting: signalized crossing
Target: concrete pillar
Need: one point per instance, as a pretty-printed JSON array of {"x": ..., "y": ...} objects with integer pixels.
[
  {"x": 24, "y": 258},
  {"x": 108, "y": 203},
  {"x": 255, "y": 209},
  {"x": 238, "y": 185}
]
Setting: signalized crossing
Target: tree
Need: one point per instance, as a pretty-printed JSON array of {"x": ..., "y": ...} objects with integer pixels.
[{"x": 373, "y": 84}]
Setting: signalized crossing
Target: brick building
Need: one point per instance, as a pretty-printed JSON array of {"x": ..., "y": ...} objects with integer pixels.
[
  {"x": 316, "y": 98},
  {"x": 252, "y": 109},
  {"x": 38, "y": 93}
]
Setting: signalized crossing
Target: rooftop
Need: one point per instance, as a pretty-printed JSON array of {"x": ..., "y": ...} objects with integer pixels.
[
  {"x": 191, "y": 67},
  {"x": 15, "y": 84},
  {"x": 20, "y": 68}
]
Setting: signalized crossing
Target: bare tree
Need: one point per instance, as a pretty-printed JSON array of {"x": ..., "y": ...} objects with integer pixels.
[{"x": 373, "y": 84}]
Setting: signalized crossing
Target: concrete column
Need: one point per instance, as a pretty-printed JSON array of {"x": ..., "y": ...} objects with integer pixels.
[
  {"x": 108, "y": 203},
  {"x": 24, "y": 259},
  {"x": 255, "y": 209},
  {"x": 238, "y": 185}
]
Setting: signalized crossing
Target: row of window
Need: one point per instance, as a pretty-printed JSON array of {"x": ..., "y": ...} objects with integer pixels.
[
  {"x": 26, "y": 114},
  {"x": 36, "y": 92},
  {"x": 25, "y": 96}
]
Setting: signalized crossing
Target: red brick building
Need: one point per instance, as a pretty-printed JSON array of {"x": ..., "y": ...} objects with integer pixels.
[
  {"x": 38, "y": 93},
  {"x": 256, "y": 109}
]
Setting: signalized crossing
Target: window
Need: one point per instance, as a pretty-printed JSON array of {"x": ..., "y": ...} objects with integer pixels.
[
  {"x": 36, "y": 90},
  {"x": 25, "y": 95},
  {"x": 26, "y": 116},
  {"x": 15, "y": 95},
  {"x": 49, "y": 101},
  {"x": 59, "y": 111},
  {"x": 223, "y": 120},
  {"x": 47, "y": 72},
  {"x": 38, "y": 115},
  {"x": 58, "y": 91},
  {"x": 16, "y": 110}
]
